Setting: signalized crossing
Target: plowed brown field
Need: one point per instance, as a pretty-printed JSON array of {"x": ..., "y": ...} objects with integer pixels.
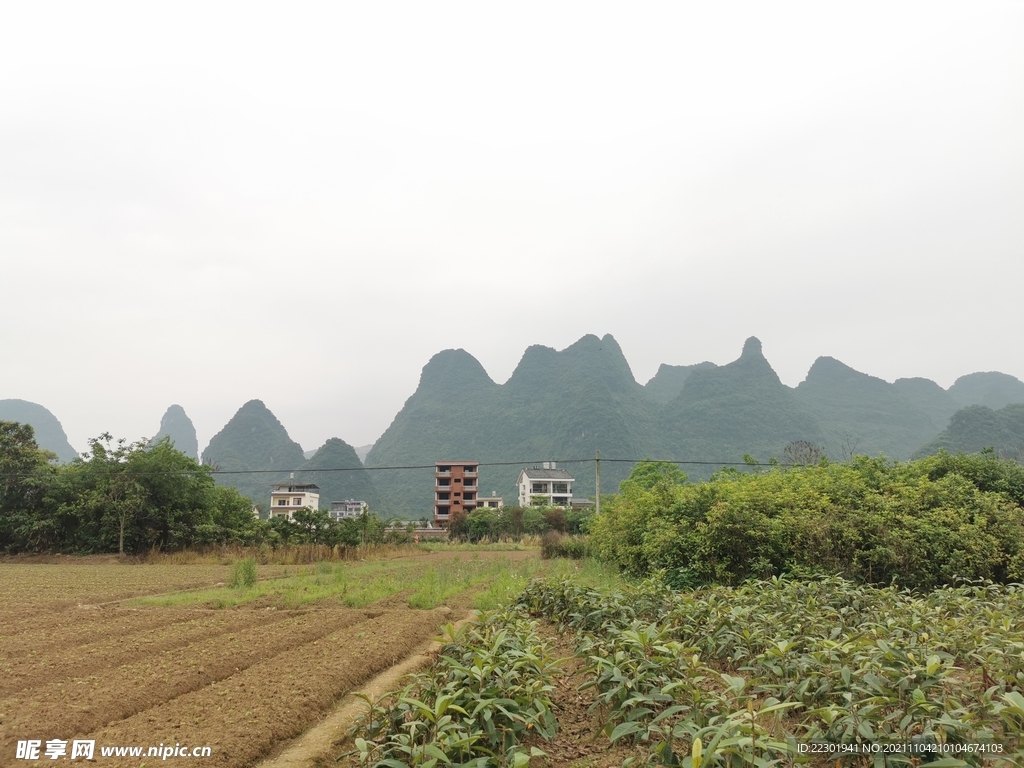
[{"x": 77, "y": 662}]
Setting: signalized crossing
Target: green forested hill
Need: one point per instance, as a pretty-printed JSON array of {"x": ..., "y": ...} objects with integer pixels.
[
  {"x": 176, "y": 425},
  {"x": 736, "y": 409},
  {"x": 863, "y": 414},
  {"x": 929, "y": 397},
  {"x": 978, "y": 427},
  {"x": 353, "y": 482},
  {"x": 253, "y": 440},
  {"x": 556, "y": 405},
  {"x": 49, "y": 433},
  {"x": 991, "y": 389},
  {"x": 669, "y": 380},
  {"x": 566, "y": 405}
]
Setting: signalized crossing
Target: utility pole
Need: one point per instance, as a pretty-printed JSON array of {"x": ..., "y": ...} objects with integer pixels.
[{"x": 597, "y": 461}]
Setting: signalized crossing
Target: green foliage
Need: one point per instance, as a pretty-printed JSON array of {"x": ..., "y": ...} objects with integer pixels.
[
  {"x": 486, "y": 524},
  {"x": 243, "y": 574},
  {"x": 25, "y": 473},
  {"x": 740, "y": 676},
  {"x": 556, "y": 544},
  {"x": 921, "y": 524},
  {"x": 119, "y": 497},
  {"x": 490, "y": 688}
]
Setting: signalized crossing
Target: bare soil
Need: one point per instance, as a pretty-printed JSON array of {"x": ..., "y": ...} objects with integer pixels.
[{"x": 77, "y": 662}]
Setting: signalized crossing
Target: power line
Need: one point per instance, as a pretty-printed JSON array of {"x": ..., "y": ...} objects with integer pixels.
[{"x": 205, "y": 470}]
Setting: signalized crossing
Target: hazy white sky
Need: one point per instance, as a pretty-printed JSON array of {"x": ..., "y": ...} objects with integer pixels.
[{"x": 204, "y": 203}]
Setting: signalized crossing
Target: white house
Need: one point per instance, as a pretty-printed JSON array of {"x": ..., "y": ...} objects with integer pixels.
[
  {"x": 350, "y": 508},
  {"x": 545, "y": 486},
  {"x": 289, "y": 497},
  {"x": 494, "y": 501}
]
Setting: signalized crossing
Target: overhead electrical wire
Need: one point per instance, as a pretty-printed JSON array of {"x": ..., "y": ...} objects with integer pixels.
[{"x": 207, "y": 470}]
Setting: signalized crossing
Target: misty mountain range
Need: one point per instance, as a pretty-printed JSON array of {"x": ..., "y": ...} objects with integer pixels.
[{"x": 570, "y": 404}]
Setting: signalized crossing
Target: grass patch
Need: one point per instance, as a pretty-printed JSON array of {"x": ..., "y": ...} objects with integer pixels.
[
  {"x": 355, "y": 585},
  {"x": 243, "y": 574},
  {"x": 507, "y": 584}
]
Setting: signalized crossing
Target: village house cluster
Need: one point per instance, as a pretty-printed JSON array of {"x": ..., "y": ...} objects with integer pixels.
[
  {"x": 456, "y": 490},
  {"x": 456, "y": 485}
]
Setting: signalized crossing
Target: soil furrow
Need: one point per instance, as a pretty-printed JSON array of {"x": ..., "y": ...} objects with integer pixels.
[
  {"x": 78, "y": 705},
  {"x": 245, "y": 715},
  {"x": 123, "y": 645}
]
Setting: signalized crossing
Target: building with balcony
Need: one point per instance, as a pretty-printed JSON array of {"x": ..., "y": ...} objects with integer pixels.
[
  {"x": 350, "y": 508},
  {"x": 289, "y": 497},
  {"x": 455, "y": 489},
  {"x": 545, "y": 486}
]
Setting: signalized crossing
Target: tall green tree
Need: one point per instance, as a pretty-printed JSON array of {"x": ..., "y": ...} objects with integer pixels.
[{"x": 25, "y": 474}]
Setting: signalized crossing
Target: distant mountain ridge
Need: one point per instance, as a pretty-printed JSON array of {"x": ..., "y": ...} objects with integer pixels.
[
  {"x": 572, "y": 403},
  {"x": 49, "y": 433},
  {"x": 567, "y": 405},
  {"x": 255, "y": 452},
  {"x": 177, "y": 426},
  {"x": 252, "y": 443}
]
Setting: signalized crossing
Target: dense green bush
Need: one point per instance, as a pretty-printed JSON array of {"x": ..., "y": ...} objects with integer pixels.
[
  {"x": 555, "y": 544},
  {"x": 921, "y": 524},
  {"x": 516, "y": 522}
]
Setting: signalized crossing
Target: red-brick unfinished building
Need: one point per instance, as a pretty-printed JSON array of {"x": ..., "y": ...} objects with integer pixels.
[{"x": 455, "y": 489}]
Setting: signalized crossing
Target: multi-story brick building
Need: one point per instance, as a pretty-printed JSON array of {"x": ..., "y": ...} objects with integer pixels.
[{"x": 455, "y": 489}]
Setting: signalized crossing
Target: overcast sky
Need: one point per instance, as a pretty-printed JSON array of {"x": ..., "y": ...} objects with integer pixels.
[{"x": 205, "y": 203}]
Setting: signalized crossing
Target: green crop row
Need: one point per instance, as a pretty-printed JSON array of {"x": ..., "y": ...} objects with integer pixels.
[
  {"x": 488, "y": 690},
  {"x": 742, "y": 676}
]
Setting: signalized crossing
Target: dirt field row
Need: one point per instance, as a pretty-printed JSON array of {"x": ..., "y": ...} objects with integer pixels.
[
  {"x": 30, "y": 662},
  {"x": 244, "y": 716},
  {"x": 241, "y": 679}
]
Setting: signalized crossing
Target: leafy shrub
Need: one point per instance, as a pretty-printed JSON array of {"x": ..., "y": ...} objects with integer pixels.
[
  {"x": 920, "y": 525},
  {"x": 243, "y": 574},
  {"x": 750, "y": 672},
  {"x": 555, "y": 544},
  {"x": 489, "y": 688}
]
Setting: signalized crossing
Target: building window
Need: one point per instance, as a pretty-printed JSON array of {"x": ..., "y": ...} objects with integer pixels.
[
  {"x": 540, "y": 488},
  {"x": 282, "y": 502},
  {"x": 298, "y": 502},
  {"x": 559, "y": 487}
]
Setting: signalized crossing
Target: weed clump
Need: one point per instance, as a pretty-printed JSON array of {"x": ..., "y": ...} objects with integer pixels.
[{"x": 243, "y": 574}]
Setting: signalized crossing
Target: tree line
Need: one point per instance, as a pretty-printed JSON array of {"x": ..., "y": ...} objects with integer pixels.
[
  {"x": 920, "y": 524},
  {"x": 487, "y": 524},
  {"x": 132, "y": 498}
]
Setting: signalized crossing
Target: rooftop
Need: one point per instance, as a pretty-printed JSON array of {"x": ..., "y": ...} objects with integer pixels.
[
  {"x": 539, "y": 473},
  {"x": 294, "y": 487}
]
